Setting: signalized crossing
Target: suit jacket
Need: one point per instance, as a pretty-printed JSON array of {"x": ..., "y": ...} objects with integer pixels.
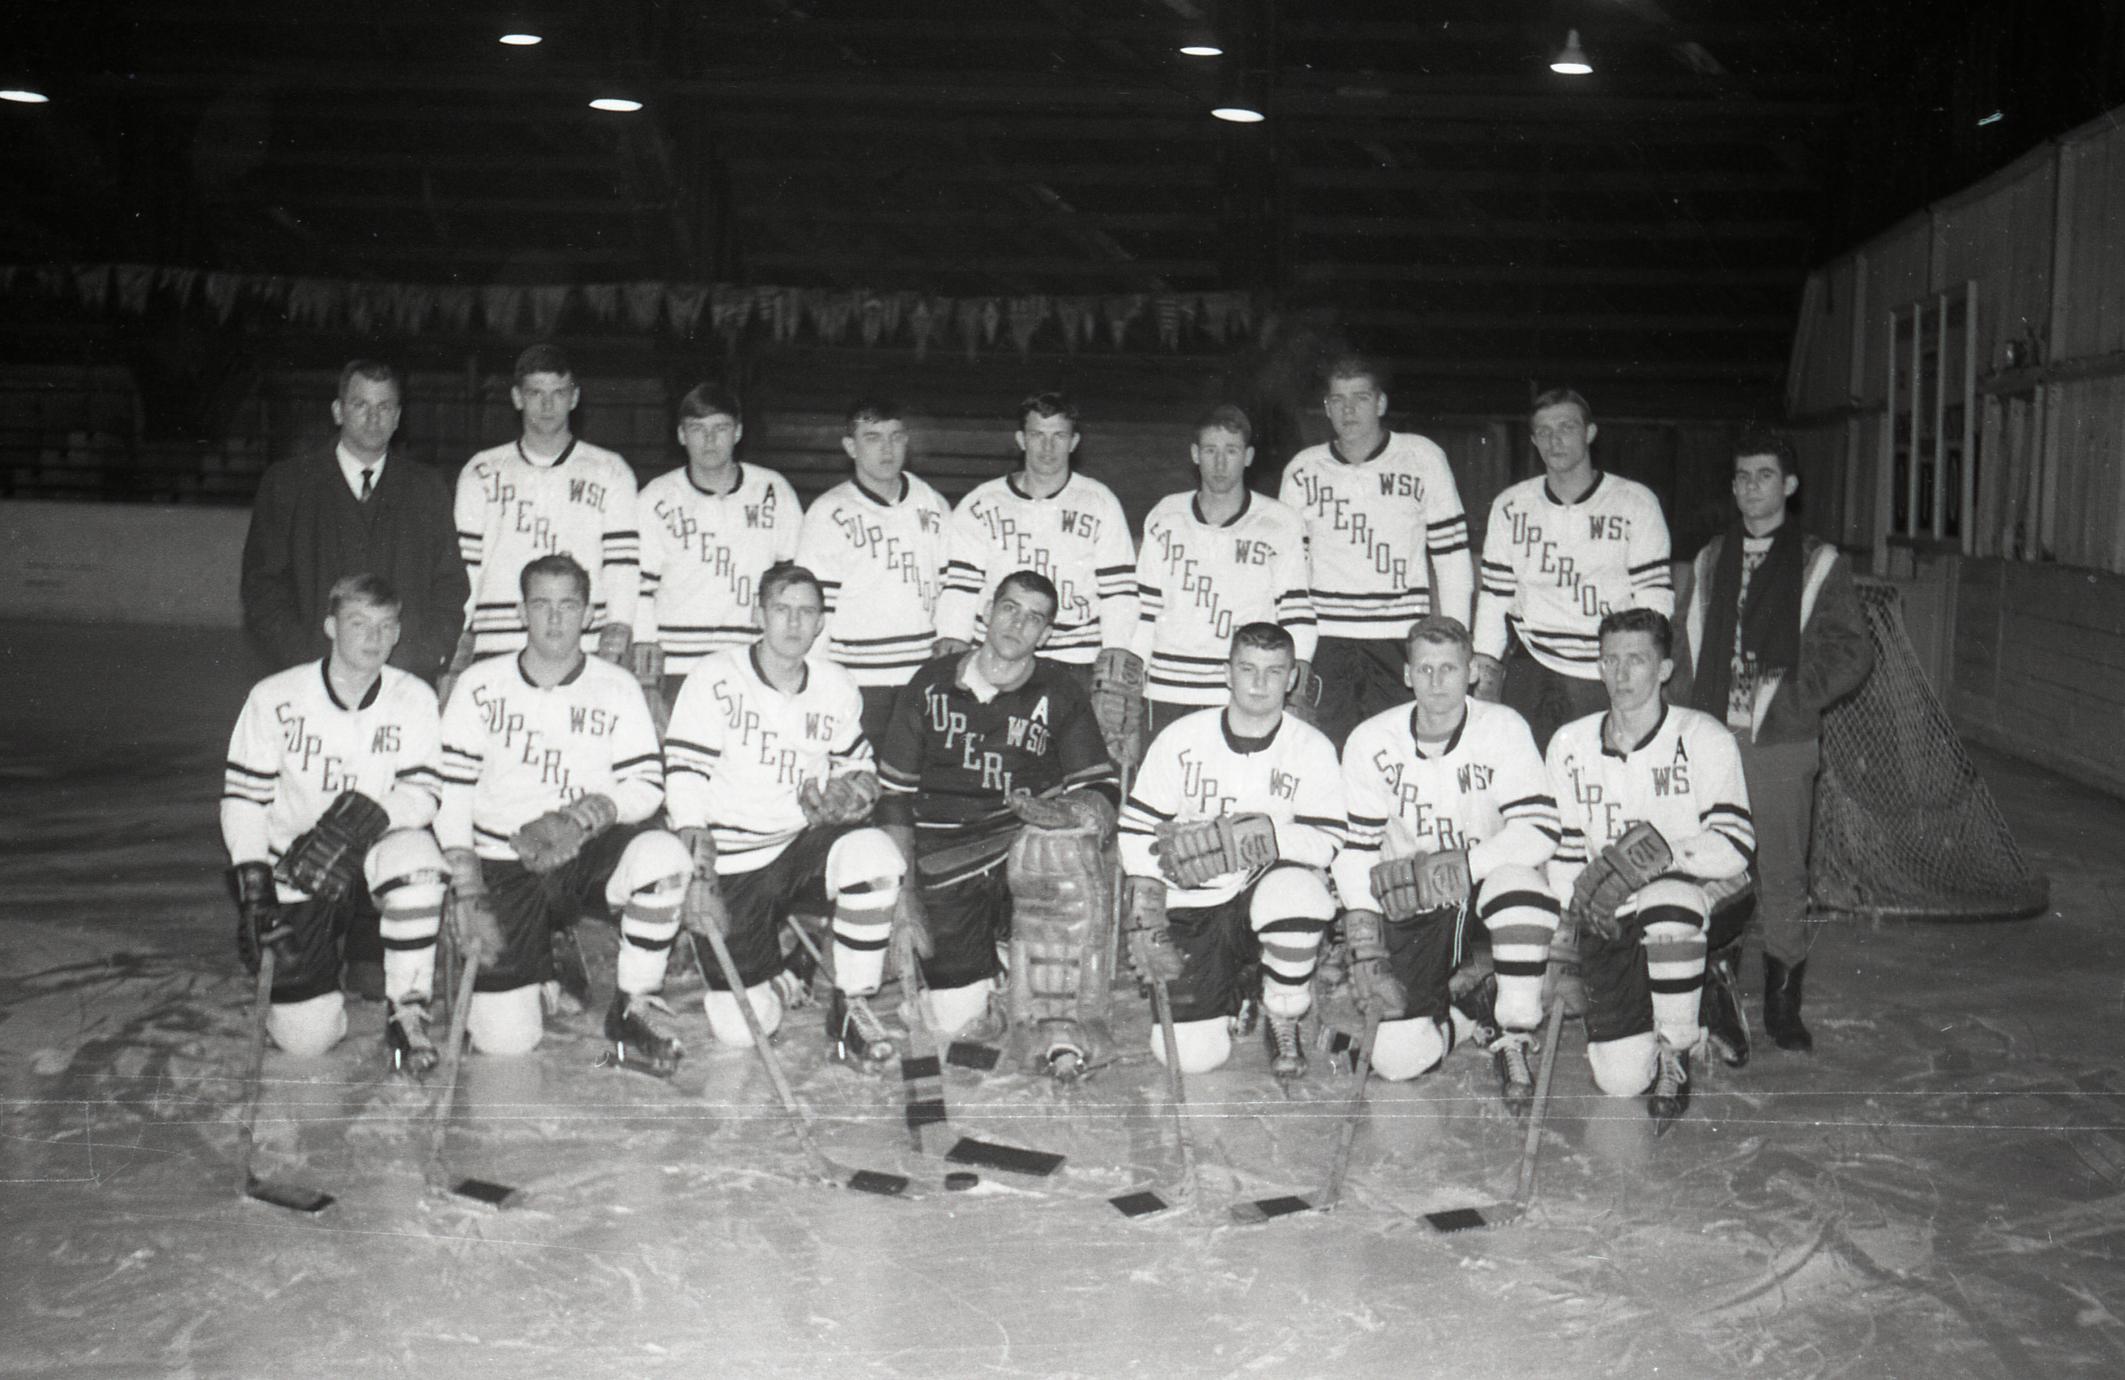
[{"x": 308, "y": 530}]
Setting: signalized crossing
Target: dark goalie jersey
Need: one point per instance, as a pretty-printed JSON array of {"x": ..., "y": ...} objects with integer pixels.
[{"x": 950, "y": 757}]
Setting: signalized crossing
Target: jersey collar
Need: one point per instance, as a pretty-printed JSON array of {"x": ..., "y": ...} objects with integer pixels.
[
  {"x": 738, "y": 468},
  {"x": 1453, "y": 739},
  {"x": 1591, "y": 490},
  {"x": 1335, "y": 448},
  {"x": 1650, "y": 734},
  {"x": 553, "y": 464},
  {"x": 1246, "y": 746},
  {"x": 1195, "y": 509},
  {"x": 865, "y": 491},
  {"x": 1019, "y": 489},
  {"x": 324, "y": 672},
  {"x": 804, "y": 682},
  {"x": 571, "y": 678}
]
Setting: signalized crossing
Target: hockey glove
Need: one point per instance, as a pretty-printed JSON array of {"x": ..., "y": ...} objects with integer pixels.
[
  {"x": 473, "y": 923},
  {"x": 553, "y": 840},
  {"x": 1487, "y": 678},
  {"x": 259, "y": 919},
  {"x": 1372, "y": 985},
  {"x": 1304, "y": 701},
  {"x": 1398, "y": 885},
  {"x": 842, "y": 800},
  {"x": 1637, "y": 856},
  {"x": 323, "y": 862},
  {"x": 647, "y": 662},
  {"x": 914, "y": 920},
  {"x": 1152, "y": 951},
  {"x": 1077, "y": 810},
  {"x": 1442, "y": 880},
  {"x": 614, "y": 640},
  {"x": 1118, "y": 704},
  {"x": 704, "y": 910},
  {"x": 950, "y": 646},
  {"x": 1193, "y": 853}
]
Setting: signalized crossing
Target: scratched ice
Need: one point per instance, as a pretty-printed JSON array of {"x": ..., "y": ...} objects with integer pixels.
[{"x": 1936, "y": 1193}]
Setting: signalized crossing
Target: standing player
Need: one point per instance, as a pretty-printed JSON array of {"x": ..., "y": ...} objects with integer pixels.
[
  {"x": 708, "y": 530},
  {"x": 1451, "y": 815},
  {"x": 1776, "y": 636},
  {"x": 1377, "y": 504},
  {"x": 1562, "y": 551},
  {"x": 547, "y": 493},
  {"x": 974, "y": 738},
  {"x": 1227, "y": 830},
  {"x": 332, "y": 781},
  {"x": 1213, "y": 561},
  {"x": 877, "y": 542},
  {"x": 550, "y": 767},
  {"x": 1071, "y": 530},
  {"x": 770, "y": 782},
  {"x": 1656, "y": 819}
]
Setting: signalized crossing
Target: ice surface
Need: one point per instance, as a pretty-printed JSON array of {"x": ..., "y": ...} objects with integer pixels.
[{"x": 1936, "y": 1193}]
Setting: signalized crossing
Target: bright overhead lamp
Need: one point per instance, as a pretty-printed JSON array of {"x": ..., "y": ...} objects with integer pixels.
[
  {"x": 621, "y": 105},
  {"x": 1242, "y": 95},
  {"x": 1239, "y": 114},
  {"x": 1572, "y": 60},
  {"x": 22, "y": 95},
  {"x": 1201, "y": 43},
  {"x": 1994, "y": 118},
  {"x": 522, "y": 40}
]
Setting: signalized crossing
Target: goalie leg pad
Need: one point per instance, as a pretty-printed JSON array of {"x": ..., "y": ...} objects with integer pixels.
[
  {"x": 308, "y": 1028},
  {"x": 1061, "y": 904},
  {"x": 1402, "y": 1050},
  {"x": 1203, "y": 1045},
  {"x": 953, "y": 1009},
  {"x": 1673, "y": 914},
  {"x": 506, "y": 1022},
  {"x": 1625, "y": 1067},
  {"x": 407, "y": 877},
  {"x": 1289, "y": 910},
  {"x": 727, "y": 1023},
  {"x": 646, "y": 889},
  {"x": 1520, "y": 912},
  {"x": 864, "y": 873}
]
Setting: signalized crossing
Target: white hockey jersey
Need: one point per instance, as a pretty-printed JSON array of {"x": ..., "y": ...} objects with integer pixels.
[
  {"x": 1484, "y": 791},
  {"x": 297, "y": 746},
  {"x": 1369, "y": 527},
  {"x": 1078, "y": 537},
  {"x": 883, "y": 568},
  {"x": 1197, "y": 769},
  {"x": 1684, "y": 779},
  {"x": 1198, "y": 582},
  {"x": 740, "y": 750},
  {"x": 1555, "y": 568},
  {"x": 513, "y": 751},
  {"x": 511, "y": 511},
  {"x": 702, "y": 558}
]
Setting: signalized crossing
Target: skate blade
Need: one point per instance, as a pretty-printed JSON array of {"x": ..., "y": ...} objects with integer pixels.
[
  {"x": 1474, "y": 1219},
  {"x": 487, "y": 1192},
  {"x": 1038, "y": 1163},
  {"x": 294, "y": 1197}
]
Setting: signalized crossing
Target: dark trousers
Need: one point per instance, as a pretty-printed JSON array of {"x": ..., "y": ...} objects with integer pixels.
[
  {"x": 1548, "y": 699},
  {"x": 1358, "y": 680}
]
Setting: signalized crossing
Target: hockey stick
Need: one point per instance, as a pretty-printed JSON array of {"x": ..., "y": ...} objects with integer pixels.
[
  {"x": 1143, "y": 1202},
  {"x": 1262, "y": 1209},
  {"x": 1513, "y": 1208},
  {"x": 297, "y": 1197},
  {"x": 485, "y": 1191},
  {"x": 860, "y": 1180}
]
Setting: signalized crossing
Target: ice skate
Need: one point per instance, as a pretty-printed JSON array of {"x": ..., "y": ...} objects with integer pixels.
[
  {"x": 857, "y": 1035},
  {"x": 1513, "y": 1053},
  {"x": 1287, "y": 1052},
  {"x": 1669, "y": 1096},
  {"x": 645, "y": 1032},
  {"x": 406, "y": 1035}
]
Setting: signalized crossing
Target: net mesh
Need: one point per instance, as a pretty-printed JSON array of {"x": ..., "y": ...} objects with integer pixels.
[{"x": 1903, "y": 824}]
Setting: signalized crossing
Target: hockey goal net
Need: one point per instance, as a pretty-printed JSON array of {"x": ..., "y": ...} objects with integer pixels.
[{"x": 1903, "y": 824}]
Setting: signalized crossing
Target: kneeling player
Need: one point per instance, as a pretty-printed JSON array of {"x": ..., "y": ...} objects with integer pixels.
[
  {"x": 980, "y": 742},
  {"x": 1450, "y": 815},
  {"x": 770, "y": 784},
  {"x": 331, "y": 785},
  {"x": 1654, "y": 809},
  {"x": 549, "y": 758},
  {"x": 1226, "y": 828}
]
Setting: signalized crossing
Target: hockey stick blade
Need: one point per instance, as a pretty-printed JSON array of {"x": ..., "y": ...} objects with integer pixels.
[
  {"x": 1513, "y": 1209},
  {"x": 295, "y": 1197},
  {"x": 1142, "y": 1202},
  {"x": 485, "y": 1192},
  {"x": 1037, "y": 1163},
  {"x": 1264, "y": 1209}
]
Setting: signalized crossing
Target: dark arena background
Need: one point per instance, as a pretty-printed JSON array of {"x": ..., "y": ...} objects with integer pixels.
[{"x": 1891, "y": 229}]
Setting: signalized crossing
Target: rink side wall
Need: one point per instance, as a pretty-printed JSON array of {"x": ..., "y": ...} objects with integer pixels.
[{"x": 121, "y": 563}]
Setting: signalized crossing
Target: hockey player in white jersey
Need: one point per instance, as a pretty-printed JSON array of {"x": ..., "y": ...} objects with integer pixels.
[
  {"x": 331, "y": 784},
  {"x": 1388, "y": 542},
  {"x": 1451, "y": 817},
  {"x": 708, "y": 529},
  {"x": 1656, "y": 833},
  {"x": 550, "y": 774},
  {"x": 770, "y": 785},
  {"x": 1071, "y": 529},
  {"x": 1562, "y": 551},
  {"x": 546, "y": 493},
  {"x": 1225, "y": 836},
  {"x": 1212, "y": 561},
  {"x": 878, "y": 543}
]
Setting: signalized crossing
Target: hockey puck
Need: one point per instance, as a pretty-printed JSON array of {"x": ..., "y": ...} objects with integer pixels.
[{"x": 960, "y": 1180}]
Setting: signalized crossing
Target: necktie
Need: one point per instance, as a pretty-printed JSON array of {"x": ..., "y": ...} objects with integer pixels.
[{"x": 368, "y": 484}]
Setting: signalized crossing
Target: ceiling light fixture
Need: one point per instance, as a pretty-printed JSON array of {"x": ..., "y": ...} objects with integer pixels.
[
  {"x": 1242, "y": 93},
  {"x": 1201, "y": 43},
  {"x": 1572, "y": 61},
  {"x": 618, "y": 104},
  {"x": 1994, "y": 118},
  {"x": 1239, "y": 114},
  {"x": 22, "y": 95},
  {"x": 523, "y": 40}
]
